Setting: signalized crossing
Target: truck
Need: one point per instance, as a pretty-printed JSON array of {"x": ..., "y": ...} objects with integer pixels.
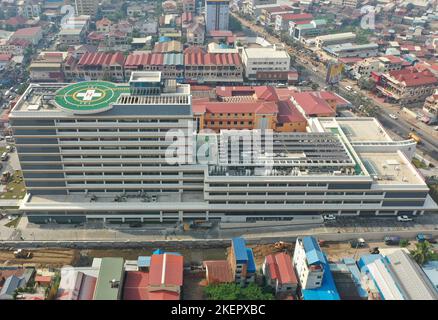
[
  {"x": 415, "y": 137},
  {"x": 23, "y": 254}
]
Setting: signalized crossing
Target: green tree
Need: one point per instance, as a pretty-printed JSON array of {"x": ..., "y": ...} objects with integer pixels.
[
  {"x": 366, "y": 84},
  {"x": 314, "y": 86},
  {"x": 423, "y": 252},
  {"x": 404, "y": 243},
  {"x": 232, "y": 291},
  {"x": 254, "y": 292},
  {"x": 226, "y": 291}
]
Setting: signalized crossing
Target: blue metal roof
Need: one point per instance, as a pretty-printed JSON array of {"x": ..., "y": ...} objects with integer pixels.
[
  {"x": 251, "y": 267},
  {"x": 239, "y": 250},
  {"x": 328, "y": 290},
  {"x": 144, "y": 261},
  {"x": 367, "y": 259},
  {"x": 313, "y": 251},
  {"x": 431, "y": 271},
  {"x": 11, "y": 284},
  {"x": 352, "y": 266}
]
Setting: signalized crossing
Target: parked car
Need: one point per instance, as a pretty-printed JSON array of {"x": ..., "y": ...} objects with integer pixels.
[
  {"x": 4, "y": 156},
  {"x": 358, "y": 243},
  {"x": 392, "y": 240},
  {"x": 404, "y": 218},
  {"x": 421, "y": 237},
  {"x": 348, "y": 88},
  {"x": 329, "y": 217},
  {"x": 393, "y": 116}
]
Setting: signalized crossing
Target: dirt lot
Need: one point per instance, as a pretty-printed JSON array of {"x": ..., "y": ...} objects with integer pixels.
[
  {"x": 42, "y": 258},
  {"x": 194, "y": 283}
]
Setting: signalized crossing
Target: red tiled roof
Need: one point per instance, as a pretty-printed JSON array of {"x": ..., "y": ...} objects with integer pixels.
[
  {"x": 43, "y": 279},
  {"x": 135, "y": 286},
  {"x": 280, "y": 268},
  {"x": 103, "y": 22},
  {"x": 312, "y": 104},
  {"x": 212, "y": 59},
  {"x": 27, "y": 31},
  {"x": 166, "y": 269},
  {"x": 258, "y": 107},
  {"x": 280, "y": 8},
  {"x": 296, "y": 16},
  {"x": 101, "y": 58},
  {"x": 218, "y": 271},
  {"x": 143, "y": 59},
  {"x": 163, "y": 295},
  {"x": 15, "y": 21},
  {"x": 19, "y": 42},
  {"x": 412, "y": 77},
  {"x": 287, "y": 113},
  {"x": 5, "y": 57},
  {"x": 220, "y": 33},
  {"x": 328, "y": 95}
]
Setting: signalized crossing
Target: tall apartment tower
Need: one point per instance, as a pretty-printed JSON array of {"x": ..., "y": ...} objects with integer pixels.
[
  {"x": 217, "y": 14},
  {"x": 86, "y": 7}
]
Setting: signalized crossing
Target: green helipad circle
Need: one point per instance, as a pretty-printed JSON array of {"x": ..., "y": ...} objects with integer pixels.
[{"x": 89, "y": 96}]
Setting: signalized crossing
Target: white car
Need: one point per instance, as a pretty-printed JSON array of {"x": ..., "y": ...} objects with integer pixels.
[
  {"x": 404, "y": 219},
  {"x": 393, "y": 116},
  {"x": 348, "y": 88},
  {"x": 329, "y": 217},
  {"x": 435, "y": 128}
]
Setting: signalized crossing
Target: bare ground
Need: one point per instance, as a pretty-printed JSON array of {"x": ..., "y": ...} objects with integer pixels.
[{"x": 42, "y": 258}]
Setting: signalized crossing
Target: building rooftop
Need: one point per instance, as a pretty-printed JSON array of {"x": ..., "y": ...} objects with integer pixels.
[
  {"x": 89, "y": 96},
  {"x": 239, "y": 248},
  {"x": 362, "y": 129},
  {"x": 267, "y": 53},
  {"x": 166, "y": 269},
  {"x": 109, "y": 281},
  {"x": 280, "y": 268},
  {"x": 350, "y": 46},
  {"x": 218, "y": 271},
  {"x": 410, "y": 277},
  {"x": 390, "y": 168},
  {"x": 136, "y": 285}
]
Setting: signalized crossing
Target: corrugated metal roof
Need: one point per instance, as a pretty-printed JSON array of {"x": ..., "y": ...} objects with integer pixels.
[
  {"x": 239, "y": 249},
  {"x": 251, "y": 267},
  {"x": 313, "y": 251},
  {"x": 110, "y": 269},
  {"x": 410, "y": 277}
]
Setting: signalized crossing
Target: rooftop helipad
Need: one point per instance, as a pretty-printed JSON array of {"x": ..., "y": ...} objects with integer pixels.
[{"x": 89, "y": 96}]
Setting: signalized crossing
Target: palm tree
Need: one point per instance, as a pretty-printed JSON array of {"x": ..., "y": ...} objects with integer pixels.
[{"x": 422, "y": 252}]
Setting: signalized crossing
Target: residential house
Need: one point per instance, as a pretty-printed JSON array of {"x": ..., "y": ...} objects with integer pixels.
[
  {"x": 214, "y": 68},
  {"x": 217, "y": 271},
  {"x": 33, "y": 35},
  {"x": 242, "y": 262},
  {"x": 101, "y": 66},
  {"x": 279, "y": 273},
  {"x": 170, "y": 64},
  {"x": 195, "y": 34},
  {"x": 313, "y": 271}
]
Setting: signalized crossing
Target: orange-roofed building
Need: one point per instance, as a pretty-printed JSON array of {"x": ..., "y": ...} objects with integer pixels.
[
  {"x": 279, "y": 273},
  {"x": 166, "y": 273},
  {"x": 218, "y": 271},
  {"x": 311, "y": 104},
  {"x": 244, "y": 114}
]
